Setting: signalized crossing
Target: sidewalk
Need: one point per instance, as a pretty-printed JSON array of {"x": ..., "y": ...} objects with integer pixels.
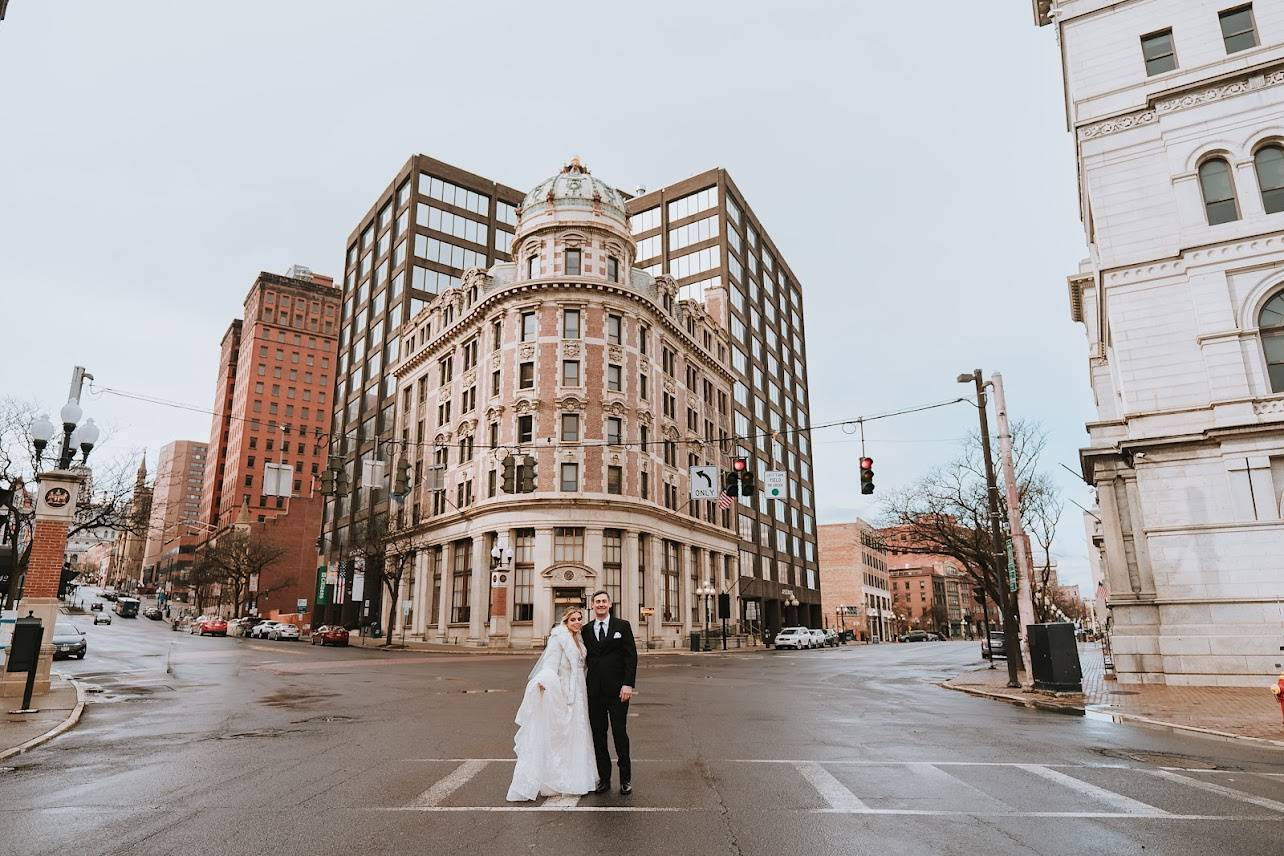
[
  {"x": 439, "y": 648},
  {"x": 1231, "y": 712},
  {"x": 60, "y": 709}
]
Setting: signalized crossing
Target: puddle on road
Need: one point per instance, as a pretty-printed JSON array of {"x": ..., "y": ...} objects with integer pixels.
[
  {"x": 1167, "y": 759},
  {"x": 335, "y": 717},
  {"x": 293, "y": 698},
  {"x": 261, "y": 732}
]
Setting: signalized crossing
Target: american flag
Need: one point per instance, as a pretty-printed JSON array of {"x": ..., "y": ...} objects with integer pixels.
[{"x": 724, "y": 501}]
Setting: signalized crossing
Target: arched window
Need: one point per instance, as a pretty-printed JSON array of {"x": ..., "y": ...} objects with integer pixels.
[
  {"x": 1270, "y": 323},
  {"x": 1269, "y": 163},
  {"x": 1219, "y": 191}
]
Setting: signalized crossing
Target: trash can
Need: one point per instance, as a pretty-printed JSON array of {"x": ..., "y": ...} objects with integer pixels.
[
  {"x": 695, "y": 640},
  {"x": 1054, "y": 657}
]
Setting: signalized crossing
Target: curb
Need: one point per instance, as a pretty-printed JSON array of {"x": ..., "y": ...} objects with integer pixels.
[
  {"x": 1130, "y": 718},
  {"x": 462, "y": 650},
  {"x": 71, "y": 720}
]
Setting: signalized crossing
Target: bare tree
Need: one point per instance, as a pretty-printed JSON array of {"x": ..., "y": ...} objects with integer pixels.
[
  {"x": 236, "y": 561},
  {"x": 1041, "y": 515},
  {"x": 947, "y": 511},
  {"x": 387, "y": 554}
]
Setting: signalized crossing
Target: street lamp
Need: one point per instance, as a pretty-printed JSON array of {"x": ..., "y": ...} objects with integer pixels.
[
  {"x": 706, "y": 591},
  {"x": 42, "y": 431},
  {"x": 792, "y": 601}
]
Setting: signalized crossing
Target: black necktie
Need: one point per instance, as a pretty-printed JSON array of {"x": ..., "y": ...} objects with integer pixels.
[{"x": 601, "y": 632}]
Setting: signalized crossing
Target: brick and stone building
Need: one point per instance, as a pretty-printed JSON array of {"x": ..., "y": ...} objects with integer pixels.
[
  {"x": 131, "y": 540},
  {"x": 856, "y": 595},
  {"x": 173, "y": 530},
  {"x": 434, "y": 221},
  {"x": 1177, "y": 112},
  {"x": 613, "y": 385}
]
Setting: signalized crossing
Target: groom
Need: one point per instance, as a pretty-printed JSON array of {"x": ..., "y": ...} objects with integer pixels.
[{"x": 612, "y": 668}]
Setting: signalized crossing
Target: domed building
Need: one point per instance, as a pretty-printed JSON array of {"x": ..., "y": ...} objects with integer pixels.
[{"x": 550, "y": 408}]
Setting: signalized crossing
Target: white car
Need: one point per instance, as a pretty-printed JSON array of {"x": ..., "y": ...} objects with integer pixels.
[
  {"x": 817, "y": 638},
  {"x": 284, "y": 631},
  {"x": 796, "y": 638},
  {"x": 262, "y": 629}
]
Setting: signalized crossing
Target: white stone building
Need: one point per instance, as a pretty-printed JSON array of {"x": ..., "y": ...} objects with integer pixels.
[
  {"x": 1177, "y": 108},
  {"x": 595, "y": 369}
]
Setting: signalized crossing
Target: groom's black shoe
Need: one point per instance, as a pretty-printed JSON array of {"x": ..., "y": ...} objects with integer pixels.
[
  {"x": 602, "y": 786},
  {"x": 626, "y": 788}
]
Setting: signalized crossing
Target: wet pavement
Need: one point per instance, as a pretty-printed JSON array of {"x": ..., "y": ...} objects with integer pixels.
[{"x": 239, "y": 746}]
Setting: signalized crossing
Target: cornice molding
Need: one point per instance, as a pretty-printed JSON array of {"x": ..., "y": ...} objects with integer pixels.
[{"x": 1252, "y": 81}]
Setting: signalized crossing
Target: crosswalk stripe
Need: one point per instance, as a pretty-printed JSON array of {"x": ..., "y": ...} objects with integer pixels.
[
  {"x": 1119, "y": 801},
  {"x": 447, "y": 786},
  {"x": 1221, "y": 790},
  {"x": 834, "y": 792}
]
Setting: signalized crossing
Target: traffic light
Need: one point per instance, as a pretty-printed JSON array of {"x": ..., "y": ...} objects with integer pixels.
[
  {"x": 866, "y": 475},
  {"x": 510, "y": 475},
  {"x": 731, "y": 484},
  {"x": 401, "y": 482},
  {"x": 744, "y": 473},
  {"x": 330, "y": 475},
  {"x": 342, "y": 484},
  {"x": 526, "y": 475}
]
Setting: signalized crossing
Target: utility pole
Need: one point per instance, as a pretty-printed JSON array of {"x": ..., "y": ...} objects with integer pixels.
[
  {"x": 1020, "y": 541},
  {"x": 1004, "y": 604}
]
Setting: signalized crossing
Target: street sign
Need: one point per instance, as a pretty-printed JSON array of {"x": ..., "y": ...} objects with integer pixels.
[
  {"x": 704, "y": 482},
  {"x": 1012, "y": 571},
  {"x": 302, "y": 605},
  {"x": 405, "y": 608},
  {"x": 773, "y": 485},
  {"x": 358, "y": 586}
]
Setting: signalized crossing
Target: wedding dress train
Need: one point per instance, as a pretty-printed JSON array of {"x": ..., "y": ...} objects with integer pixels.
[{"x": 554, "y": 744}]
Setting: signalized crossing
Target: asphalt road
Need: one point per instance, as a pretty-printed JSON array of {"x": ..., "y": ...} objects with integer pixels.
[{"x": 233, "y": 746}]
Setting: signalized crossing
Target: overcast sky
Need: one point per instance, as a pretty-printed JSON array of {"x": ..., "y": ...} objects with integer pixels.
[{"x": 911, "y": 162}]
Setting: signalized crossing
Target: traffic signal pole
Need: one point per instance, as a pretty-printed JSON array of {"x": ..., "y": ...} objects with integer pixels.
[{"x": 1004, "y": 604}]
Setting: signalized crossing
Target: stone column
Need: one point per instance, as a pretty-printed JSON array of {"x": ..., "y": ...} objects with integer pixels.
[
  {"x": 56, "y": 493},
  {"x": 422, "y": 584},
  {"x": 655, "y": 587},
  {"x": 478, "y": 589},
  {"x": 593, "y": 540},
  {"x": 629, "y": 578},
  {"x": 541, "y": 591},
  {"x": 1116, "y": 559},
  {"x": 692, "y": 561},
  {"x": 443, "y": 591},
  {"x": 1140, "y": 541}
]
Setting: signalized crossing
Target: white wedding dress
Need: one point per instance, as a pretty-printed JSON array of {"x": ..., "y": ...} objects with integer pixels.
[{"x": 554, "y": 744}]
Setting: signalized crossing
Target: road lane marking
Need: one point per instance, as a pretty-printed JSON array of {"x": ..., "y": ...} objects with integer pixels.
[
  {"x": 830, "y": 789},
  {"x": 1119, "y": 801},
  {"x": 563, "y": 801},
  {"x": 447, "y": 786},
  {"x": 1222, "y": 790},
  {"x": 586, "y": 808}
]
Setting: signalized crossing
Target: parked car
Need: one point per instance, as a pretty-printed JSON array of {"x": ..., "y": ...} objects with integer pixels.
[
  {"x": 152, "y": 612},
  {"x": 796, "y": 638},
  {"x": 832, "y": 638},
  {"x": 211, "y": 624},
  {"x": 817, "y": 638},
  {"x": 102, "y": 618},
  {"x": 915, "y": 636},
  {"x": 933, "y": 637},
  {"x": 109, "y": 595},
  {"x": 284, "y": 631},
  {"x": 995, "y": 646},
  {"x": 69, "y": 641},
  {"x": 330, "y": 634},
  {"x": 262, "y": 629}
]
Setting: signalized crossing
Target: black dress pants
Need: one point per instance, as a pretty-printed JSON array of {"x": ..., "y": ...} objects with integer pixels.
[{"x": 603, "y": 709}]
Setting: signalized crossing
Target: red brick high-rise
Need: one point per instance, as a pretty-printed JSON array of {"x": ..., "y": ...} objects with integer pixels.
[{"x": 276, "y": 378}]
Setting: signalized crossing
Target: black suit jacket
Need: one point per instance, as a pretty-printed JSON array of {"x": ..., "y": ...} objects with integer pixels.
[{"x": 612, "y": 663}]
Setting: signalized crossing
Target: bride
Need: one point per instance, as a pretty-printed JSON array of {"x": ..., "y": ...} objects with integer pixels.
[{"x": 554, "y": 744}]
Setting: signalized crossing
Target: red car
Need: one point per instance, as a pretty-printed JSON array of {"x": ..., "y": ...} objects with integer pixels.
[
  {"x": 330, "y": 634},
  {"x": 212, "y": 626}
]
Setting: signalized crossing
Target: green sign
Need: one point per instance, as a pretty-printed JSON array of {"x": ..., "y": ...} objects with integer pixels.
[
  {"x": 1012, "y": 572},
  {"x": 320, "y": 598}
]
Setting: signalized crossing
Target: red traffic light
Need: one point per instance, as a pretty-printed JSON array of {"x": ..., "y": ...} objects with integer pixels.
[
  {"x": 866, "y": 463},
  {"x": 741, "y": 464}
]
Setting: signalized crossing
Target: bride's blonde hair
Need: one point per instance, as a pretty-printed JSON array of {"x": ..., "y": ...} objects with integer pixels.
[{"x": 566, "y": 616}]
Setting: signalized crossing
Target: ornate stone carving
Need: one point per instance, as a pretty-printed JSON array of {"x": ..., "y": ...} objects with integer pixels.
[
  {"x": 571, "y": 348},
  {"x": 495, "y": 413},
  {"x": 615, "y": 354},
  {"x": 669, "y": 385},
  {"x": 467, "y": 428},
  {"x": 671, "y": 433},
  {"x": 1263, "y": 408},
  {"x": 526, "y": 351},
  {"x": 525, "y": 405},
  {"x": 1247, "y": 83},
  {"x": 570, "y": 402},
  {"x": 615, "y": 458},
  {"x": 470, "y": 377},
  {"x": 570, "y": 574},
  {"x": 616, "y": 408},
  {"x": 496, "y": 361},
  {"x": 645, "y": 417}
]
